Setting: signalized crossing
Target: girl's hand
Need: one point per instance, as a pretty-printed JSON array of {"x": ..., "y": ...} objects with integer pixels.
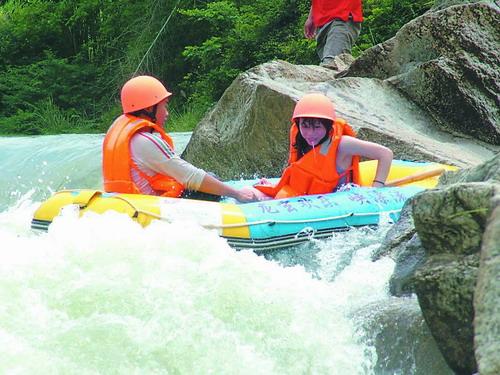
[
  {"x": 264, "y": 181},
  {"x": 250, "y": 194}
]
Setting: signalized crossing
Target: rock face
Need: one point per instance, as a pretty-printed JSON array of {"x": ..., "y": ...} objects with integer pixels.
[
  {"x": 447, "y": 62},
  {"x": 452, "y": 219},
  {"x": 445, "y": 288},
  {"x": 452, "y": 262},
  {"x": 246, "y": 134},
  {"x": 441, "y": 4},
  {"x": 445, "y": 283},
  {"x": 487, "y": 297}
]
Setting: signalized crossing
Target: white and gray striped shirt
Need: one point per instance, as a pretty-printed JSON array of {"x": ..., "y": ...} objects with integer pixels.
[{"x": 153, "y": 155}]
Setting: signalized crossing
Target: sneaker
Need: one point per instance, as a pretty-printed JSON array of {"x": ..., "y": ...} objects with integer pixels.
[{"x": 338, "y": 63}]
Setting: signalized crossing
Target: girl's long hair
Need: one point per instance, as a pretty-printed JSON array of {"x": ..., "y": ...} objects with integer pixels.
[{"x": 301, "y": 144}]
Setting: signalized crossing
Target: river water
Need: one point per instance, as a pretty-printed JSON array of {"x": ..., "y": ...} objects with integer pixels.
[{"x": 101, "y": 295}]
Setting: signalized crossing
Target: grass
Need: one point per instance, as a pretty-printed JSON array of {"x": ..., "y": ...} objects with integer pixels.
[
  {"x": 184, "y": 120},
  {"x": 47, "y": 118},
  {"x": 53, "y": 120}
]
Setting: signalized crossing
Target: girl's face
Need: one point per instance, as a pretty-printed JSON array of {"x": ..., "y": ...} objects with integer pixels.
[{"x": 312, "y": 130}]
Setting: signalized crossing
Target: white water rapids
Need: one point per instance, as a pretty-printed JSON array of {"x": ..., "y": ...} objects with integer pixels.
[{"x": 102, "y": 295}]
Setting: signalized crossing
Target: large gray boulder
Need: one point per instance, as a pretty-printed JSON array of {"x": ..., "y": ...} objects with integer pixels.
[
  {"x": 487, "y": 296},
  {"x": 452, "y": 262},
  {"x": 246, "y": 133},
  {"x": 445, "y": 289},
  {"x": 452, "y": 219},
  {"x": 450, "y": 222},
  {"x": 448, "y": 63},
  {"x": 395, "y": 325},
  {"x": 441, "y": 4}
]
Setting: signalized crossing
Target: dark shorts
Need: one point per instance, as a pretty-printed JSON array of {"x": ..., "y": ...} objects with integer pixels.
[{"x": 198, "y": 195}]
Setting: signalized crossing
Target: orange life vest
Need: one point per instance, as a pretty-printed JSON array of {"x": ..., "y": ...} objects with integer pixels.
[
  {"x": 117, "y": 161},
  {"x": 314, "y": 172}
]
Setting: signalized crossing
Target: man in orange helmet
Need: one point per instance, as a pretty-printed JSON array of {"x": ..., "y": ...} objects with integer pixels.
[
  {"x": 336, "y": 25},
  {"x": 324, "y": 153},
  {"x": 139, "y": 157}
]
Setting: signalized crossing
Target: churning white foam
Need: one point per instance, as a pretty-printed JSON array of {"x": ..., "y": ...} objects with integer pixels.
[{"x": 102, "y": 294}]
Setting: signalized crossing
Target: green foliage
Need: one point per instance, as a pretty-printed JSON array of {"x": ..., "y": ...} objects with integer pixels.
[
  {"x": 62, "y": 62},
  {"x": 239, "y": 35},
  {"x": 383, "y": 18},
  {"x": 185, "y": 119},
  {"x": 53, "y": 120},
  {"x": 68, "y": 83},
  {"x": 47, "y": 118},
  {"x": 73, "y": 52}
]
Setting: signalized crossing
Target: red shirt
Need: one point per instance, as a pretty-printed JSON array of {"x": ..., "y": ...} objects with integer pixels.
[{"x": 323, "y": 11}]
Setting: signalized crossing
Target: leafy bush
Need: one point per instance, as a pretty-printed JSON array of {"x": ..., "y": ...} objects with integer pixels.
[
  {"x": 239, "y": 35},
  {"x": 383, "y": 18},
  {"x": 185, "y": 119}
]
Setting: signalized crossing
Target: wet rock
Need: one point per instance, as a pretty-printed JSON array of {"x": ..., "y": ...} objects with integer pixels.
[
  {"x": 452, "y": 219},
  {"x": 398, "y": 235},
  {"x": 403, "y": 245},
  {"x": 487, "y": 297},
  {"x": 408, "y": 260},
  {"x": 458, "y": 225},
  {"x": 445, "y": 289},
  {"x": 447, "y": 62},
  {"x": 401, "y": 338}
]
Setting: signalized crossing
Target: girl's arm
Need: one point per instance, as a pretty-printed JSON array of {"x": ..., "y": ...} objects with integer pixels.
[{"x": 350, "y": 146}]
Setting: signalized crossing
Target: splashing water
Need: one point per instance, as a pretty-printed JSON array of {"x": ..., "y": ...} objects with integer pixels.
[{"x": 102, "y": 293}]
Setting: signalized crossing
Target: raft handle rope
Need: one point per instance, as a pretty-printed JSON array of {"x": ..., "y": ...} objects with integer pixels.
[{"x": 258, "y": 222}]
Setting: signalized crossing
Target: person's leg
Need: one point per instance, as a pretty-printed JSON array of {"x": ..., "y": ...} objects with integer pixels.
[
  {"x": 337, "y": 37},
  {"x": 321, "y": 36}
]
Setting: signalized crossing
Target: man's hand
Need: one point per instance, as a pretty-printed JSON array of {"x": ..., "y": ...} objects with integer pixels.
[{"x": 309, "y": 28}]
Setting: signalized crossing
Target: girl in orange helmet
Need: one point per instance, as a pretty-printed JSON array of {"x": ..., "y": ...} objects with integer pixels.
[
  {"x": 139, "y": 157},
  {"x": 324, "y": 153}
]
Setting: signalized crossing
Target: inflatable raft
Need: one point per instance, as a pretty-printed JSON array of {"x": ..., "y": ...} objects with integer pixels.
[{"x": 263, "y": 225}]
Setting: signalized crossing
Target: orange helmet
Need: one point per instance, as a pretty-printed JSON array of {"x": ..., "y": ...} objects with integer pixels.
[
  {"x": 142, "y": 92},
  {"x": 314, "y": 105}
]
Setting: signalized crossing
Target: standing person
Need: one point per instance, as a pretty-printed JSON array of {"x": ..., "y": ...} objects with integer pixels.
[
  {"x": 336, "y": 25},
  {"x": 324, "y": 153},
  {"x": 139, "y": 157}
]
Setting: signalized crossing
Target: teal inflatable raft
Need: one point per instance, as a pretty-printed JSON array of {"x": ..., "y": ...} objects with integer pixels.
[{"x": 263, "y": 225}]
